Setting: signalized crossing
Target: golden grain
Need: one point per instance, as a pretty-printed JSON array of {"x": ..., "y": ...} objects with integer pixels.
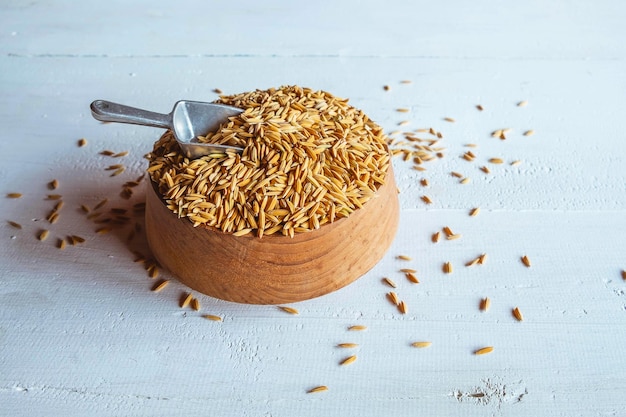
[
  {"x": 411, "y": 277},
  {"x": 61, "y": 243},
  {"x": 319, "y": 388},
  {"x": 465, "y": 180},
  {"x": 14, "y": 195},
  {"x": 402, "y": 307},
  {"x": 516, "y": 163},
  {"x": 348, "y": 360},
  {"x": 482, "y": 258},
  {"x": 357, "y": 327},
  {"x": 404, "y": 257},
  {"x": 496, "y": 160},
  {"x": 53, "y": 217},
  {"x": 120, "y": 154},
  {"x": 449, "y": 119},
  {"x": 53, "y": 185},
  {"x": 525, "y": 261},
  {"x": 348, "y": 345},
  {"x": 101, "y": 204},
  {"x": 107, "y": 152},
  {"x": 217, "y": 91},
  {"x": 315, "y": 157},
  {"x": 529, "y": 132},
  {"x": 474, "y": 212},
  {"x": 408, "y": 270},
  {"x": 448, "y": 232},
  {"x": 402, "y": 110},
  {"x": 483, "y": 351},
  {"x": 386, "y": 88},
  {"x": 393, "y": 297},
  {"x": 447, "y": 268},
  {"x": 195, "y": 304},
  {"x": 517, "y": 314},
  {"x": 624, "y": 274},
  {"x": 185, "y": 300},
  {"x": 421, "y": 345},
  {"x": 472, "y": 262},
  {"x": 424, "y": 182},
  {"x": 211, "y": 317},
  {"x": 427, "y": 199},
  {"x": 43, "y": 235},
  {"x": 82, "y": 142},
  {"x": 485, "y": 169},
  {"x": 406, "y": 82},
  {"x": 497, "y": 133},
  {"x": 289, "y": 310},
  {"x": 522, "y": 103},
  {"x": 404, "y": 122},
  {"x": 160, "y": 285},
  {"x": 456, "y": 174},
  {"x": 389, "y": 282},
  {"x": 14, "y": 224},
  {"x": 485, "y": 303},
  {"x": 454, "y": 236},
  {"x": 435, "y": 237}
]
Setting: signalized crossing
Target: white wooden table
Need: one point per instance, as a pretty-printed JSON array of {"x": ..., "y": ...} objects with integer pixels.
[{"x": 81, "y": 333}]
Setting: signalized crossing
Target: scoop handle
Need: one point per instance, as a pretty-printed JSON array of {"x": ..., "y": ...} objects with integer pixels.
[{"x": 106, "y": 111}]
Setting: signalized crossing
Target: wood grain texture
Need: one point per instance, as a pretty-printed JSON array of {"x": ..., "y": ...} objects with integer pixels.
[{"x": 274, "y": 269}]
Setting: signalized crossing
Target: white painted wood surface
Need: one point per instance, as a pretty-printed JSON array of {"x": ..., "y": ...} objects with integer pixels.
[{"x": 82, "y": 334}]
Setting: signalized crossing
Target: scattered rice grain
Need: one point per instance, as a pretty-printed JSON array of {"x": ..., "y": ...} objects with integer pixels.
[
  {"x": 389, "y": 282},
  {"x": 14, "y": 224},
  {"x": 427, "y": 199},
  {"x": 289, "y": 310},
  {"x": 483, "y": 351},
  {"x": 522, "y": 103},
  {"x": 195, "y": 304},
  {"x": 185, "y": 300},
  {"x": 403, "y": 257},
  {"x": 348, "y": 360},
  {"x": 479, "y": 107},
  {"x": 421, "y": 345},
  {"x": 348, "y": 345},
  {"x": 82, "y": 142},
  {"x": 474, "y": 212},
  {"x": 447, "y": 268},
  {"x": 393, "y": 297},
  {"x": 319, "y": 388},
  {"x": 496, "y": 160},
  {"x": 357, "y": 327},
  {"x": 485, "y": 303},
  {"x": 517, "y": 314},
  {"x": 160, "y": 285},
  {"x": 411, "y": 277},
  {"x": 14, "y": 195},
  {"x": 212, "y": 317},
  {"x": 526, "y": 261},
  {"x": 435, "y": 237},
  {"x": 43, "y": 235},
  {"x": 402, "y": 307},
  {"x": 53, "y": 185}
]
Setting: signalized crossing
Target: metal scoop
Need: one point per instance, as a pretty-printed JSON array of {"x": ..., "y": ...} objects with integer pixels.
[{"x": 188, "y": 120}]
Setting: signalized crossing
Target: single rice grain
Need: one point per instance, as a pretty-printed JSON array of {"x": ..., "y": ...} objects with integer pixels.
[{"x": 484, "y": 351}]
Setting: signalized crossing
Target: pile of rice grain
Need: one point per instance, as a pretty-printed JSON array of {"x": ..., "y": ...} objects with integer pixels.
[{"x": 309, "y": 159}]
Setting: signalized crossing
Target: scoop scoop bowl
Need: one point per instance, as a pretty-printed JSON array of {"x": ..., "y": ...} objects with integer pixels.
[{"x": 188, "y": 120}]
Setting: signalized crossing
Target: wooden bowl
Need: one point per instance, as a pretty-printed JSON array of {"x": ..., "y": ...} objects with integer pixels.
[{"x": 273, "y": 269}]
